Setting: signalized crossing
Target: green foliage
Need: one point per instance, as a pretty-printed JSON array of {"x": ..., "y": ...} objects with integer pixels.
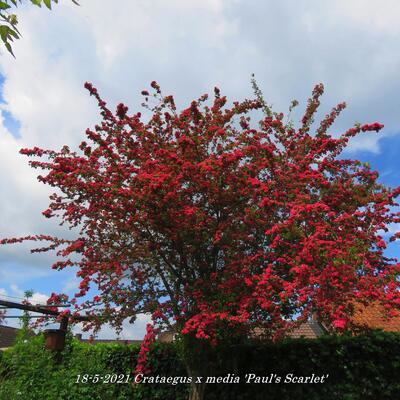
[
  {"x": 29, "y": 372},
  {"x": 9, "y": 20},
  {"x": 364, "y": 367},
  {"x": 267, "y": 108},
  {"x": 24, "y": 332}
]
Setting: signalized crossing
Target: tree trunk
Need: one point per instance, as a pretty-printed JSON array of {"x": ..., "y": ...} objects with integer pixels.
[
  {"x": 197, "y": 390},
  {"x": 202, "y": 360},
  {"x": 198, "y": 358}
]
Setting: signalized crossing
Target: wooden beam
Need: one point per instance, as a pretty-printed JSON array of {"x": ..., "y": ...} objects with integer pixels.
[
  {"x": 41, "y": 305},
  {"x": 64, "y": 323},
  {"x": 39, "y": 309},
  {"x": 30, "y": 316}
]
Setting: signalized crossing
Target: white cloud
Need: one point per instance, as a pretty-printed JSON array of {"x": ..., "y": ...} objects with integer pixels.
[
  {"x": 36, "y": 298},
  {"x": 16, "y": 291},
  {"x": 129, "y": 331},
  {"x": 71, "y": 285},
  {"x": 16, "y": 294},
  {"x": 39, "y": 298}
]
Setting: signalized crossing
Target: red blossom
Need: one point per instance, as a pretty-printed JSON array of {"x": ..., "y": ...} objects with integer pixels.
[
  {"x": 339, "y": 324},
  {"x": 141, "y": 363},
  {"x": 222, "y": 224}
]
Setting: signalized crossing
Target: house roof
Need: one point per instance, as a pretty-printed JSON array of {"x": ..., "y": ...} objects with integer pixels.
[
  {"x": 373, "y": 317},
  {"x": 310, "y": 329},
  {"x": 166, "y": 336},
  {"x": 369, "y": 317},
  {"x": 112, "y": 341},
  {"x": 8, "y": 336},
  {"x": 115, "y": 341}
]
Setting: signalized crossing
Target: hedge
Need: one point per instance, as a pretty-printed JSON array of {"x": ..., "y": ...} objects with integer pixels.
[{"x": 361, "y": 367}]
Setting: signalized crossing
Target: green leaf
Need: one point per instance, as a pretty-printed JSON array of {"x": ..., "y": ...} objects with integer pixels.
[
  {"x": 12, "y": 32},
  {"x": 4, "y": 30},
  {"x": 4, "y": 5},
  {"x": 47, "y": 3},
  {"x": 8, "y": 47},
  {"x": 37, "y": 2}
]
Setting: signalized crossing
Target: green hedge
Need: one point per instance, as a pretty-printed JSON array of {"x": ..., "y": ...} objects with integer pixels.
[
  {"x": 363, "y": 367},
  {"x": 29, "y": 372}
]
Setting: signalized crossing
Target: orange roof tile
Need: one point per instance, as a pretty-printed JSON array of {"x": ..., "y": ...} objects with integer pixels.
[
  {"x": 309, "y": 329},
  {"x": 373, "y": 317}
]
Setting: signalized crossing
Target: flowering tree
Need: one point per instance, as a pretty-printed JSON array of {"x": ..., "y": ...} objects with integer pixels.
[{"x": 202, "y": 218}]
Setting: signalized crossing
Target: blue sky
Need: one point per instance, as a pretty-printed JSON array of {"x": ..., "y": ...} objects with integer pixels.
[
  {"x": 188, "y": 47},
  {"x": 10, "y": 123}
]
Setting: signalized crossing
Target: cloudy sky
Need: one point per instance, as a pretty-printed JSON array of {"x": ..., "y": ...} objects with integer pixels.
[{"x": 189, "y": 47}]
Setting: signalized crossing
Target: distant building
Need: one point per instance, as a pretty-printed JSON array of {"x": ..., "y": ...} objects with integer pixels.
[
  {"x": 310, "y": 329},
  {"x": 364, "y": 318},
  {"x": 373, "y": 317},
  {"x": 115, "y": 341},
  {"x": 8, "y": 336},
  {"x": 166, "y": 336}
]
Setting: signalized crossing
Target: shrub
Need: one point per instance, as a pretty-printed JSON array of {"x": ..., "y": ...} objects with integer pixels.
[{"x": 360, "y": 367}]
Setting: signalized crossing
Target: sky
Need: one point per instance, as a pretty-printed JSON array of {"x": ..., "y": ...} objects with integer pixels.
[{"x": 188, "y": 47}]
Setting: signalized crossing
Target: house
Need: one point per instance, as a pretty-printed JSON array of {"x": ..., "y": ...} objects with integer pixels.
[
  {"x": 166, "y": 336},
  {"x": 113, "y": 341},
  {"x": 365, "y": 318},
  {"x": 373, "y": 317},
  {"x": 310, "y": 329},
  {"x": 8, "y": 336}
]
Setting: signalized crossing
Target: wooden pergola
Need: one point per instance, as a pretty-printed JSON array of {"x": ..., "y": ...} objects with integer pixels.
[
  {"x": 43, "y": 310},
  {"x": 55, "y": 341}
]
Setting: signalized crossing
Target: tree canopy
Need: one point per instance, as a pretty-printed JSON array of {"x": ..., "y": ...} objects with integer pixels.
[{"x": 221, "y": 225}]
